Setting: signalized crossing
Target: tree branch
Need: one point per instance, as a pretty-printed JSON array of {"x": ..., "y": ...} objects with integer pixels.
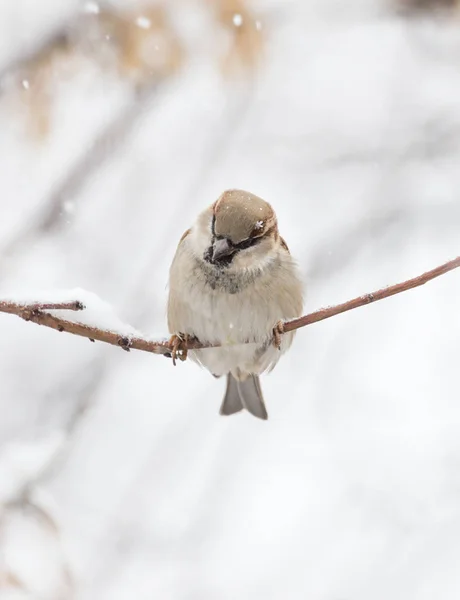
[
  {"x": 392, "y": 290},
  {"x": 37, "y": 313}
]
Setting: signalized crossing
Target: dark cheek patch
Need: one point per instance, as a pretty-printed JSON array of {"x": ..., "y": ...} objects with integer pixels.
[
  {"x": 225, "y": 261},
  {"x": 252, "y": 241},
  {"x": 207, "y": 256}
]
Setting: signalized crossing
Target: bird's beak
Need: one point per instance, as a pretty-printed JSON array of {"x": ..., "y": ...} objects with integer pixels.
[{"x": 220, "y": 249}]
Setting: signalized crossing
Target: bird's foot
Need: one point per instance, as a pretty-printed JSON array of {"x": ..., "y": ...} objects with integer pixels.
[
  {"x": 278, "y": 331},
  {"x": 178, "y": 344}
]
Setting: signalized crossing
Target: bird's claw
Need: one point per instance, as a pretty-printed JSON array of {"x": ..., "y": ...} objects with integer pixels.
[
  {"x": 178, "y": 345},
  {"x": 278, "y": 331}
]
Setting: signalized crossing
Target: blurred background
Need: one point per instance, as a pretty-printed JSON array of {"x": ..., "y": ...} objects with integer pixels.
[{"x": 119, "y": 122}]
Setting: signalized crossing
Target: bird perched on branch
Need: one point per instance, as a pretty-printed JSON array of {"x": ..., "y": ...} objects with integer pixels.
[{"x": 233, "y": 282}]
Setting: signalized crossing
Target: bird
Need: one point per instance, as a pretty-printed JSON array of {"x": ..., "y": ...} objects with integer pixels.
[{"x": 233, "y": 283}]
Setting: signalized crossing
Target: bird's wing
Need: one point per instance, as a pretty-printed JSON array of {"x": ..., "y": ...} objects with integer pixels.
[{"x": 284, "y": 245}]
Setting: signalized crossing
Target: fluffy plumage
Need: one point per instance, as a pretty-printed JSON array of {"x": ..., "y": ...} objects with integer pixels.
[{"x": 231, "y": 281}]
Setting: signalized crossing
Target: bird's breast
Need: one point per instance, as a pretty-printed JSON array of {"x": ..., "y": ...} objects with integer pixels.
[{"x": 231, "y": 307}]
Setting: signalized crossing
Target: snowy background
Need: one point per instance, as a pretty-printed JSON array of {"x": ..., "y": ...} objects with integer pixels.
[{"x": 118, "y": 479}]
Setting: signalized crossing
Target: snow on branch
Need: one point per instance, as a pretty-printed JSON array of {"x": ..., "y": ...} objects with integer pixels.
[{"x": 112, "y": 331}]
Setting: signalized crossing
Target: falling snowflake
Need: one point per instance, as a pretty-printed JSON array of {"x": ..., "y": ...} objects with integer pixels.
[
  {"x": 91, "y": 8},
  {"x": 237, "y": 20},
  {"x": 259, "y": 225},
  {"x": 143, "y": 22}
]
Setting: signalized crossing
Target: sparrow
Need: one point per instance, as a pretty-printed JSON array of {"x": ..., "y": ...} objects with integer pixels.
[{"x": 233, "y": 283}]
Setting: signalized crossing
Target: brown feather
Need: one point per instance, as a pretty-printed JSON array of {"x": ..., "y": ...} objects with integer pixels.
[
  {"x": 284, "y": 245},
  {"x": 184, "y": 236},
  {"x": 241, "y": 215}
]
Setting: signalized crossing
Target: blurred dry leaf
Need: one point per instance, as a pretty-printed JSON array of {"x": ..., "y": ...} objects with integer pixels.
[
  {"x": 42, "y": 569},
  {"x": 9, "y": 580},
  {"x": 245, "y": 33},
  {"x": 140, "y": 45},
  {"x": 35, "y": 82},
  {"x": 143, "y": 44}
]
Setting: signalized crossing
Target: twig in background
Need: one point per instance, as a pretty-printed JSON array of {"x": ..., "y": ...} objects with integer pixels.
[
  {"x": 106, "y": 144},
  {"x": 448, "y": 6}
]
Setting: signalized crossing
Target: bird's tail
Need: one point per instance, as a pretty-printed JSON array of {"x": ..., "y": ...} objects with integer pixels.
[{"x": 244, "y": 394}]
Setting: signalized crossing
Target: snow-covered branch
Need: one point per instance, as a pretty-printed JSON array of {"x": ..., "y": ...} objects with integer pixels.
[{"x": 42, "y": 313}]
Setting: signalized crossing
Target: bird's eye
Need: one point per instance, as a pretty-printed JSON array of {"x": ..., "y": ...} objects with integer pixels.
[{"x": 247, "y": 243}]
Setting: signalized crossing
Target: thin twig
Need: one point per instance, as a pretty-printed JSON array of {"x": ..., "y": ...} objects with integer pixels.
[
  {"x": 397, "y": 288},
  {"x": 76, "y": 305},
  {"x": 35, "y": 312}
]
